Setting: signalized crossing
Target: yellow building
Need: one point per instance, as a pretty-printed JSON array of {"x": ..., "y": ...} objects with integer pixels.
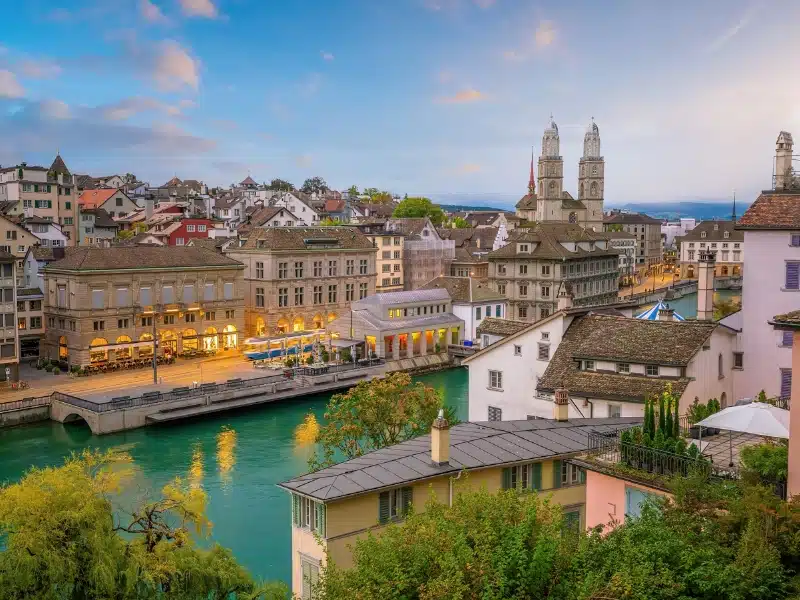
[{"x": 343, "y": 502}]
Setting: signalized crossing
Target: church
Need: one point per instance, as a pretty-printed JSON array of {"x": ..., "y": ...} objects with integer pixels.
[{"x": 551, "y": 203}]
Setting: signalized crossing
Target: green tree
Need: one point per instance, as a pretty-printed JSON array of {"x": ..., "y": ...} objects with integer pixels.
[
  {"x": 419, "y": 208},
  {"x": 724, "y": 307},
  {"x": 314, "y": 185},
  {"x": 126, "y": 234},
  {"x": 61, "y": 527},
  {"x": 130, "y": 178},
  {"x": 353, "y": 190},
  {"x": 328, "y": 222},
  {"x": 375, "y": 414},
  {"x": 280, "y": 185},
  {"x": 459, "y": 223}
]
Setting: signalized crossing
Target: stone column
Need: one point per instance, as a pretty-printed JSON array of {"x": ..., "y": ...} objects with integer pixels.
[
  {"x": 410, "y": 344},
  {"x": 396, "y": 347},
  {"x": 423, "y": 343}
]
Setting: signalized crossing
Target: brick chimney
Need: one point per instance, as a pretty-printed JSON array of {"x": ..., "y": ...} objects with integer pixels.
[
  {"x": 665, "y": 313},
  {"x": 440, "y": 440},
  {"x": 561, "y": 405},
  {"x": 705, "y": 286}
]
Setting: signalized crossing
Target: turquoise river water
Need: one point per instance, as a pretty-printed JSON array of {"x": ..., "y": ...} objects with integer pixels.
[{"x": 239, "y": 457}]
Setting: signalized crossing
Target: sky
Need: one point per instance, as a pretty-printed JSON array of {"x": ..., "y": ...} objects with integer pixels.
[{"x": 444, "y": 98}]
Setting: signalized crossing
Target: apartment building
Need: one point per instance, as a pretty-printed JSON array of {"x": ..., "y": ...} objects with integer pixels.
[
  {"x": 114, "y": 201},
  {"x": 48, "y": 193},
  {"x": 9, "y": 336},
  {"x": 426, "y": 255},
  {"x": 96, "y": 227},
  {"x": 389, "y": 259},
  {"x": 302, "y": 278},
  {"x": 649, "y": 244},
  {"x": 719, "y": 237},
  {"x": 30, "y": 322},
  {"x": 531, "y": 269},
  {"x": 47, "y": 232},
  {"x": 106, "y": 304}
]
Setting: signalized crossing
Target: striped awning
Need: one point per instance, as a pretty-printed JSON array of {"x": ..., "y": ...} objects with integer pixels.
[{"x": 651, "y": 314}]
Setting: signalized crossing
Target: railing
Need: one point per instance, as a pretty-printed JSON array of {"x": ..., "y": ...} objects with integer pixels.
[
  {"x": 348, "y": 366},
  {"x": 25, "y": 403}
]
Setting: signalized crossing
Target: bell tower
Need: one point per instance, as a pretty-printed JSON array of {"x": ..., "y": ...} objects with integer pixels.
[
  {"x": 591, "y": 178},
  {"x": 551, "y": 175},
  {"x": 783, "y": 161}
]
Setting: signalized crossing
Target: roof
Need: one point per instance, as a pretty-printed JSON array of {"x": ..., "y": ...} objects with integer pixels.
[
  {"x": 773, "y": 210},
  {"x": 305, "y": 238},
  {"x": 59, "y": 166},
  {"x": 248, "y": 181},
  {"x": 472, "y": 446},
  {"x": 174, "y": 182},
  {"x": 101, "y": 217},
  {"x": 652, "y": 313},
  {"x": 332, "y": 205},
  {"x": 465, "y": 289},
  {"x": 621, "y": 235},
  {"x": 95, "y": 198},
  {"x": 371, "y": 322},
  {"x": 621, "y": 339},
  {"x": 379, "y": 210},
  {"x": 715, "y": 232},
  {"x": 527, "y": 202},
  {"x": 393, "y": 298},
  {"x": 572, "y": 204},
  {"x": 494, "y": 326},
  {"x": 85, "y": 182},
  {"x": 141, "y": 257},
  {"x": 408, "y": 227},
  {"x": 624, "y": 218},
  {"x": 28, "y": 292},
  {"x": 789, "y": 320},
  {"x": 215, "y": 243},
  {"x": 548, "y": 238}
]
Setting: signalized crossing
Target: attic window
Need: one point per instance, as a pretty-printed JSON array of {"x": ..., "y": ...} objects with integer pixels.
[
  {"x": 726, "y": 235},
  {"x": 702, "y": 234},
  {"x": 716, "y": 226}
]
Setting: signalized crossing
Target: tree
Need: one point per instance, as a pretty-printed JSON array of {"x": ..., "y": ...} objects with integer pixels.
[
  {"x": 725, "y": 307},
  {"x": 280, "y": 185},
  {"x": 377, "y": 196},
  {"x": 126, "y": 234},
  {"x": 353, "y": 191},
  {"x": 459, "y": 223},
  {"x": 130, "y": 178},
  {"x": 314, "y": 185},
  {"x": 419, "y": 208},
  {"x": 375, "y": 414},
  {"x": 328, "y": 222},
  {"x": 61, "y": 539}
]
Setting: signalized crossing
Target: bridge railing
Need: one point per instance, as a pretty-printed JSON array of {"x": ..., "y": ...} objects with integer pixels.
[{"x": 32, "y": 402}]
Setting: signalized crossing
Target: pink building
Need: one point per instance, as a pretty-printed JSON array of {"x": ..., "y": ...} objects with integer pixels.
[{"x": 610, "y": 499}]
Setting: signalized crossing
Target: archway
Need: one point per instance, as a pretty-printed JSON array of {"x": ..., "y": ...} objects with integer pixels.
[
  {"x": 98, "y": 355},
  {"x": 299, "y": 324},
  {"x": 211, "y": 341},
  {"x": 190, "y": 340},
  {"x": 168, "y": 343},
  {"x": 331, "y": 317},
  {"x": 723, "y": 400},
  {"x": 736, "y": 270},
  {"x": 282, "y": 326},
  {"x": 261, "y": 326},
  {"x": 63, "y": 351},
  {"x": 230, "y": 337},
  {"x": 724, "y": 271},
  {"x": 76, "y": 420},
  {"x": 582, "y": 190},
  {"x": 319, "y": 322},
  {"x": 147, "y": 350},
  {"x": 690, "y": 272},
  {"x": 124, "y": 351}
]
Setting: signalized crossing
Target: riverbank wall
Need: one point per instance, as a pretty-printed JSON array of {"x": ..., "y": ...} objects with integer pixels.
[{"x": 23, "y": 416}]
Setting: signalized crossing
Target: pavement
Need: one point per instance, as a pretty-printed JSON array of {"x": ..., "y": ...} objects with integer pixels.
[
  {"x": 134, "y": 382},
  {"x": 647, "y": 284}
]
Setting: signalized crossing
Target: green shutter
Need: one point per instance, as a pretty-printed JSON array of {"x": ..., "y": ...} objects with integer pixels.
[
  {"x": 582, "y": 475},
  {"x": 296, "y": 510},
  {"x": 320, "y": 518},
  {"x": 383, "y": 507},
  {"x": 407, "y": 499},
  {"x": 506, "y": 483},
  {"x": 536, "y": 476},
  {"x": 556, "y": 473}
]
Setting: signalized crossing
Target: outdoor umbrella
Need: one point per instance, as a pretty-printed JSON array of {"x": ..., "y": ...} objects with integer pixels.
[{"x": 756, "y": 418}]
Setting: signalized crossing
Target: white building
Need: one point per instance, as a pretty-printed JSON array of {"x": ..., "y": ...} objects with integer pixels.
[
  {"x": 625, "y": 244},
  {"x": 771, "y": 229},
  {"x": 673, "y": 229},
  {"x": 48, "y": 232},
  {"x": 292, "y": 201},
  {"x": 473, "y": 301},
  {"x": 718, "y": 237}
]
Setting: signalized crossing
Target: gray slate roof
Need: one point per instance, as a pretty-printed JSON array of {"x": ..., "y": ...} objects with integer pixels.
[
  {"x": 472, "y": 446},
  {"x": 391, "y": 298}
]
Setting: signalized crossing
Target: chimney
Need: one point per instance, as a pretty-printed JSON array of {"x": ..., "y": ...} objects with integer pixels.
[
  {"x": 565, "y": 297},
  {"x": 561, "y": 405},
  {"x": 783, "y": 160},
  {"x": 705, "y": 286},
  {"x": 148, "y": 208},
  {"x": 440, "y": 440},
  {"x": 665, "y": 313}
]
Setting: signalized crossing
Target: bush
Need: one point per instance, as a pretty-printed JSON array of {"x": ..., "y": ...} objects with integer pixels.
[
  {"x": 769, "y": 460},
  {"x": 310, "y": 359},
  {"x": 290, "y": 362},
  {"x": 325, "y": 355},
  {"x": 438, "y": 348},
  {"x": 345, "y": 355},
  {"x": 48, "y": 367},
  {"x": 56, "y": 371}
]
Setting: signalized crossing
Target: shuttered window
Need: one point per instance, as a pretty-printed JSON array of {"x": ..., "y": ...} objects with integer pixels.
[
  {"x": 310, "y": 573},
  {"x": 522, "y": 477},
  {"x": 145, "y": 296},
  {"x": 62, "y": 296},
  {"x": 634, "y": 500},
  {"x": 167, "y": 294},
  {"x": 208, "y": 291},
  {"x": 787, "y": 339},
  {"x": 572, "y": 521},
  {"x": 786, "y": 383},
  {"x": 556, "y": 473},
  {"x": 792, "y": 275},
  {"x": 228, "y": 290},
  {"x": 97, "y": 298},
  {"x": 394, "y": 504},
  {"x": 308, "y": 514},
  {"x": 795, "y": 239},
  {"x": 188, "y": 294},
  {"x": 122, "y": 297}
]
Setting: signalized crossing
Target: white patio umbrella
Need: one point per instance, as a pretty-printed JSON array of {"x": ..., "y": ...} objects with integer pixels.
[{"x": 757, "y": 418}]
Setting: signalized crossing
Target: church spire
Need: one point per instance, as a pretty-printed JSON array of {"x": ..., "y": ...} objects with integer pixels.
[{"x": 531, "y": 180}]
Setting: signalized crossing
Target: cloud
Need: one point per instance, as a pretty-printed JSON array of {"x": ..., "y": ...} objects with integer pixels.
[
  {"x": 136, "y": 105},
  {"x": 227, "y": 124},
  {"x": 39, "y": 69},
  {"x": 326, "y": 55},
  {"x": 462, "y": 97},
  {"x": 199, "y": 8},
  {"x": 9, "y": 86},
  {"x": 732, "y": 31},
  {"x": 150, "y": 12},
  {"x": 545, "y": 34},
  {"x": 55, "y": 109},
  {"x": 175, "y": 68}
]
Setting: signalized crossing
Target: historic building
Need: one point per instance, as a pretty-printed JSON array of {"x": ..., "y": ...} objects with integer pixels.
[
  {"x": 719, "y": 237},
  {"x": 646, "y": 229},
  {"x": 302, "y": 278},
  {"x": 106, "y": 304},
  {"x": 552, "y": 203}
]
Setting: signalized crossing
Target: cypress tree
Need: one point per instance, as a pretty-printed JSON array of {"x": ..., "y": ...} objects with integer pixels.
[
  {"x": 676, "y": 427},
  {"x": 646, "y": 425},
  {"x": 668, "y": 421},
  {"x": 661, "y": 426},
  {"x": 651, "y": 420}
]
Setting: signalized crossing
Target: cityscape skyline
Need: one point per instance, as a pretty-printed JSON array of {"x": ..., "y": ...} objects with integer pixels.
[{"x": 433, "y": 97}]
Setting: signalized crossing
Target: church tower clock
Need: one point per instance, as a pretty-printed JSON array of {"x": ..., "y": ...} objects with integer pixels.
[{"x": 591, "y": 178}]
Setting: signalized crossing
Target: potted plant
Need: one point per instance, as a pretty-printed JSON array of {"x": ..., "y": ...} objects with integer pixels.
[
  {"x": 56, "y": 371},
  {"x": 310, "y": 360}
]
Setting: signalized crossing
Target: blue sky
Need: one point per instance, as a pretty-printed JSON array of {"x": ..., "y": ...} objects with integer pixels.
[{"x": 435, "y": 97}]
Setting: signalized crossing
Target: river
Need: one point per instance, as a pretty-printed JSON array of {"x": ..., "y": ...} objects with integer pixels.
[
  {"x": 239, "y": 457},
  {"x": 687, "y": 306}
]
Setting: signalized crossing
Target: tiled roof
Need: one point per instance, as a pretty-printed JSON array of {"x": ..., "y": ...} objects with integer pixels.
[
  {"x": 141, "y": 257},
  {"x": 333, "y": 205},
  {"x": 409, "y": 227},
  {"x": 620, "y": 339},
  {"x": 527, "y": 202},
  {"x": 394, "y": 298},
  {"x": 215, "y": 243},
  {"x": 494, "y": 326},
  {"x": 572, "y": 204},
  {"x": 174, "y": 182},
  {"x": 59, "y": 166},
  {"x": 263, "y": 215},
  {"x": 101, "y": 217},
  {"x": 630, "y": 219},
  {"x": 548, "y": 238},
  {"x": 305, "y": 238},
  {"x": 376, "y": 210},
  {"x": 465, "y": 289},
  {"x": 84, "y": 182},
  {"x": 714, "y": 235},
  {"x": 420, "y": 322},
  {"x": 790, "y": 320},
  {"x": 472, "y": 446},
  {"x": 95, "y": 198},
  {"x": 248, "y": 181},
  {"x": 773, "y": 210},
  {"x": 28, "y": 292}
]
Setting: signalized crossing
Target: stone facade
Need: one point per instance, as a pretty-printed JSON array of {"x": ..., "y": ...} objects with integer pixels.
[
  {"x": 647, "y": 230},
  {"x": 389, "y": 260},
  {"x": 302, "y": 278},
  {"x": 718, "y": 237},
  {"x": 103, "y": 304}
]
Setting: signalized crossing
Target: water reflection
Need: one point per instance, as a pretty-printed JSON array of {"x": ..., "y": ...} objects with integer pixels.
[
  {"x": 305, "y": 434},
  {"x": 197, "y": 467},
  {"x": 226, "y": 453}
]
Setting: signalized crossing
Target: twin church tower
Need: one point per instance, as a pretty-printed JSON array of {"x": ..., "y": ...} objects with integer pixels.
[{"x": 549, "y": 202}]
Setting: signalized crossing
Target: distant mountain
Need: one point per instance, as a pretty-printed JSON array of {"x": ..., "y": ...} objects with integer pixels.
[
  {"x": 467, "y": 207},
  {"x": 476, "y": 201},
  {"x": 702, "y": 211}
]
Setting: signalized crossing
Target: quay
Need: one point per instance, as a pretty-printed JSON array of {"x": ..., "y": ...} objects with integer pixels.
[{"x": 105, "y": 413}]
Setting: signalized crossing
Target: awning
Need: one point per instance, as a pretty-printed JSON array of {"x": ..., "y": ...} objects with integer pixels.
[
  {"x": 757, "y": 418},
  {"x": 345, "y": 343}
]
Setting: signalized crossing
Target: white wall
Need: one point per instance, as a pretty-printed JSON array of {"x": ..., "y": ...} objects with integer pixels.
[
  {"x": 704, "y": 372},
  {"x": 580, "y": 409},
  {"x": 520, "y": 373},
  {"x": 763, "y": 298},
  {"x": 466, "y": 312}
]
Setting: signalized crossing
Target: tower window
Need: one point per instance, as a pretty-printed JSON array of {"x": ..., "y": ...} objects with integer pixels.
[{"x": 594, "y": 170}]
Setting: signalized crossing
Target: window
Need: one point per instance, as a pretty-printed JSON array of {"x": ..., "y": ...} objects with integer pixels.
[
  {"x": 67, "y": 221},
  {"x": 623, "y": 368},
  {"x": 634, "y": 500},
  {"x": 189, "y": 228},
  {"x": 22, "y": 323},
  {"x": 308, "y": 514},
  {"x": 99, "y": 325},
  {"x": 317, "y": 268},
  {"x": 614, "y": 410},
  {"x": 299, "y": 296},
  {"x": 523, "y": 269},
  {"x": 11, "y": 235},
  {"x": 350, "y": 266},
  {"x": 501, "y": 269},
  {"x": 396, "y": 254},
  {"x": 349, "y": 292},
  {"x": 522, "y": 477},
  {"x": 720, "y": 367},
  {"x": 298, "y": 270},
  {"x": 332, "y": 268},
  {"x": 169, "y": 319},
  {"x": 588, "y": 365},
  {"x": 545, "y": 291},
  {"x": 792, "y": 275},
  {"x": 726, "y": 234},
  {"x": 522, "y": 311},
  {"x": 543, "y": 352},
  {"x": 331, "y": 293},
  {"x": 495, "y": 380},
  {"x": 283, "y": 268},
  {"x": 362, "y": 288},
  {"x": 570, "y": 474},
  {"x": 147, "y": 321},
  {"x": 178, "y": 241},
  {"x": 477, "y": 313},
  {"x": 703, "y": 234},
  {"x": 386, "y": 268},
  {"x": 210, "y": 315},
  {"x": 396, "y": 268},
  {"x": 283, "y": 296},
  {"x": 61, "y": 296},
  {"x": 523, "y": 289},
  {"x": 690, "y": 254},
  {"x": 362, "y": 266},
  {"x": 260, "y": 297},
  {"x": 572, "y": 518},
  {"x": 167, "y": 295},
  {"x": 396, "y": 241},
  {"x": 123, "y": 297},
  {"x": 495, "y": 414},
  {"x": 36, "y": 323},
  {"x": 501, "y": 288},
  {"x": 97, "y": 299},
  {"x": 795, "y": 239},
  {"x": 517, "y": 350},
  {"x": 545, "y": 269},
  {"x": 317, "y": 294},
  {"x": 651, "y": 370},
  {"x": 227, "y": 288},
  {"x": 545, "y": 335},
  {"x": 309, "y": 570},
  {"x": 786, "y": 383},
  {"x": 738, "y": 360},
  {"x": 259, "y": 270},
  {"x": 394, "y": 504},
  {"x": 230, "y": 314},
  {"x": 200, "y": 228}
]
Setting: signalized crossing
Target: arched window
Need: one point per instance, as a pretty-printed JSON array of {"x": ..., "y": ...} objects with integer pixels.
[
  {"x": 63, "y": 351},
  {"x": 724, "y": 270},
  {"x": 583, "y": 170},
  {"x": 581, "y": 192},
  {"x": 720, "y": 372},
  {"x": 594, "y": 170},
  {"x": 552, "y": 187},
  {"x": 594, "y": 190},
  {"x": 573, "y": 217}
]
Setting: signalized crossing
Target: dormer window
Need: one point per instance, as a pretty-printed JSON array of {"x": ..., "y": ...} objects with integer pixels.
[
  {"x": 524, "y": 248},
  {"x": 726, "y": 235},
  {"x": 716, "y": 226},
  {"x": 703, "y": 234}
]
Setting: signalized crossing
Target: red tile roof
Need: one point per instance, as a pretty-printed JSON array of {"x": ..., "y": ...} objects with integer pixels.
[
  {"x": 95, "y": 198},
  {"x": 773, "y": 210}
]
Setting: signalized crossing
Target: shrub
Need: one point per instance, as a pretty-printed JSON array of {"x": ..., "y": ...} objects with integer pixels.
[
  {"x": 438, "y": 348},
  {"x": 346, "y": 355},
  {"x": 56, "y": 371},
  {"x": 290, "y": 362},
  {"x": 48, "y": 367},
  {"x": 310, "y": 359},
  {"x": 326, "y": 356},
  {"x": 769, "y": 460}
]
